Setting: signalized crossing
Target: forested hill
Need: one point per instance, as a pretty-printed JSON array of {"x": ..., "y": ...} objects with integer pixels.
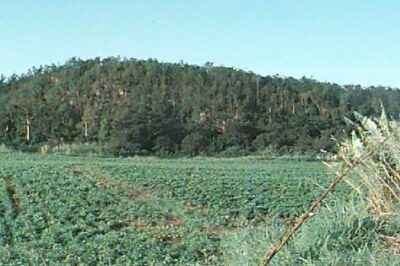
[{"x": 145, "y": 107}]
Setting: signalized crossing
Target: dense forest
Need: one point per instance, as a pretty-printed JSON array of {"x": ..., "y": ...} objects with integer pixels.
[{"x": 131, "y": 107}]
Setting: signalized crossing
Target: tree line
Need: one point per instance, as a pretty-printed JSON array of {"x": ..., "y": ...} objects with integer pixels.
[{"x": 134, "y": 107}]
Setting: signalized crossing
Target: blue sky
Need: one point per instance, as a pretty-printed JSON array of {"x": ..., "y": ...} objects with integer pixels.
[{"x": 355, "y": 41}]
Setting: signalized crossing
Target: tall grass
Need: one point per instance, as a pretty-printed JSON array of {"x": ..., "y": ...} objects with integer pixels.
[
  {"x": 377, "y": 178},
  {"x": 76, "y": 149},
  {"x": 340, "y": 234}
]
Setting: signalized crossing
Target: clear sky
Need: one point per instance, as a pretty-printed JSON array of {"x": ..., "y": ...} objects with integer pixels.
[{"x": 343, "y": 41}]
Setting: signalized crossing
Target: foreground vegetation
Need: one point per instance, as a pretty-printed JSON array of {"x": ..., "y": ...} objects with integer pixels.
[
  {"x": 68, "y": 210},
  {"x": 130, "y": 107}
]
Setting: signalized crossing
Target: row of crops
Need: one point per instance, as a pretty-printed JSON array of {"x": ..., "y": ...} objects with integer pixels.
[{"x": 65, "y": 210}]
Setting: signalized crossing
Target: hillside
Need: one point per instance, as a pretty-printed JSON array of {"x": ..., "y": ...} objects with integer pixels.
[{"x": 131, "y": 106}]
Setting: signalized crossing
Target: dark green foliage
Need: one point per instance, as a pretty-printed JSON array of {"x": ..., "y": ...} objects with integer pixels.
[{"x": 146, "y": 107}]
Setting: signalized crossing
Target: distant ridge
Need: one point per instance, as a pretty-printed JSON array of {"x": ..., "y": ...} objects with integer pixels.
[{"x": 129, "y": 107}]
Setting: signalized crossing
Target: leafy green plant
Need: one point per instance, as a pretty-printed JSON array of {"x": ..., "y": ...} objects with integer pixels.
[{"x": 86, "y": 210}]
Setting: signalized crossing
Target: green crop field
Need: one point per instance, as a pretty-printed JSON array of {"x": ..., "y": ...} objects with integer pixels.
[{"x": 58, "y": 210}]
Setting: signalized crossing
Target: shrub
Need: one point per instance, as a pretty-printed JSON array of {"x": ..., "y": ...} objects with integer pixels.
[
  {"x": 233, "y": 151},
  {"x": 4, "y": 149},
  {"x": 194, "y": 143},
  {"x": 82, "y": 149}
]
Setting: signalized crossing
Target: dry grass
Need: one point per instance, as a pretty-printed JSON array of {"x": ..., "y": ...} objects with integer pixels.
[{"x": 377, "y": 177}]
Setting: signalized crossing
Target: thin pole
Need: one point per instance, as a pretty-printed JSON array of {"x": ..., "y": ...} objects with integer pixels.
[{"x": 310, "y": 212}]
